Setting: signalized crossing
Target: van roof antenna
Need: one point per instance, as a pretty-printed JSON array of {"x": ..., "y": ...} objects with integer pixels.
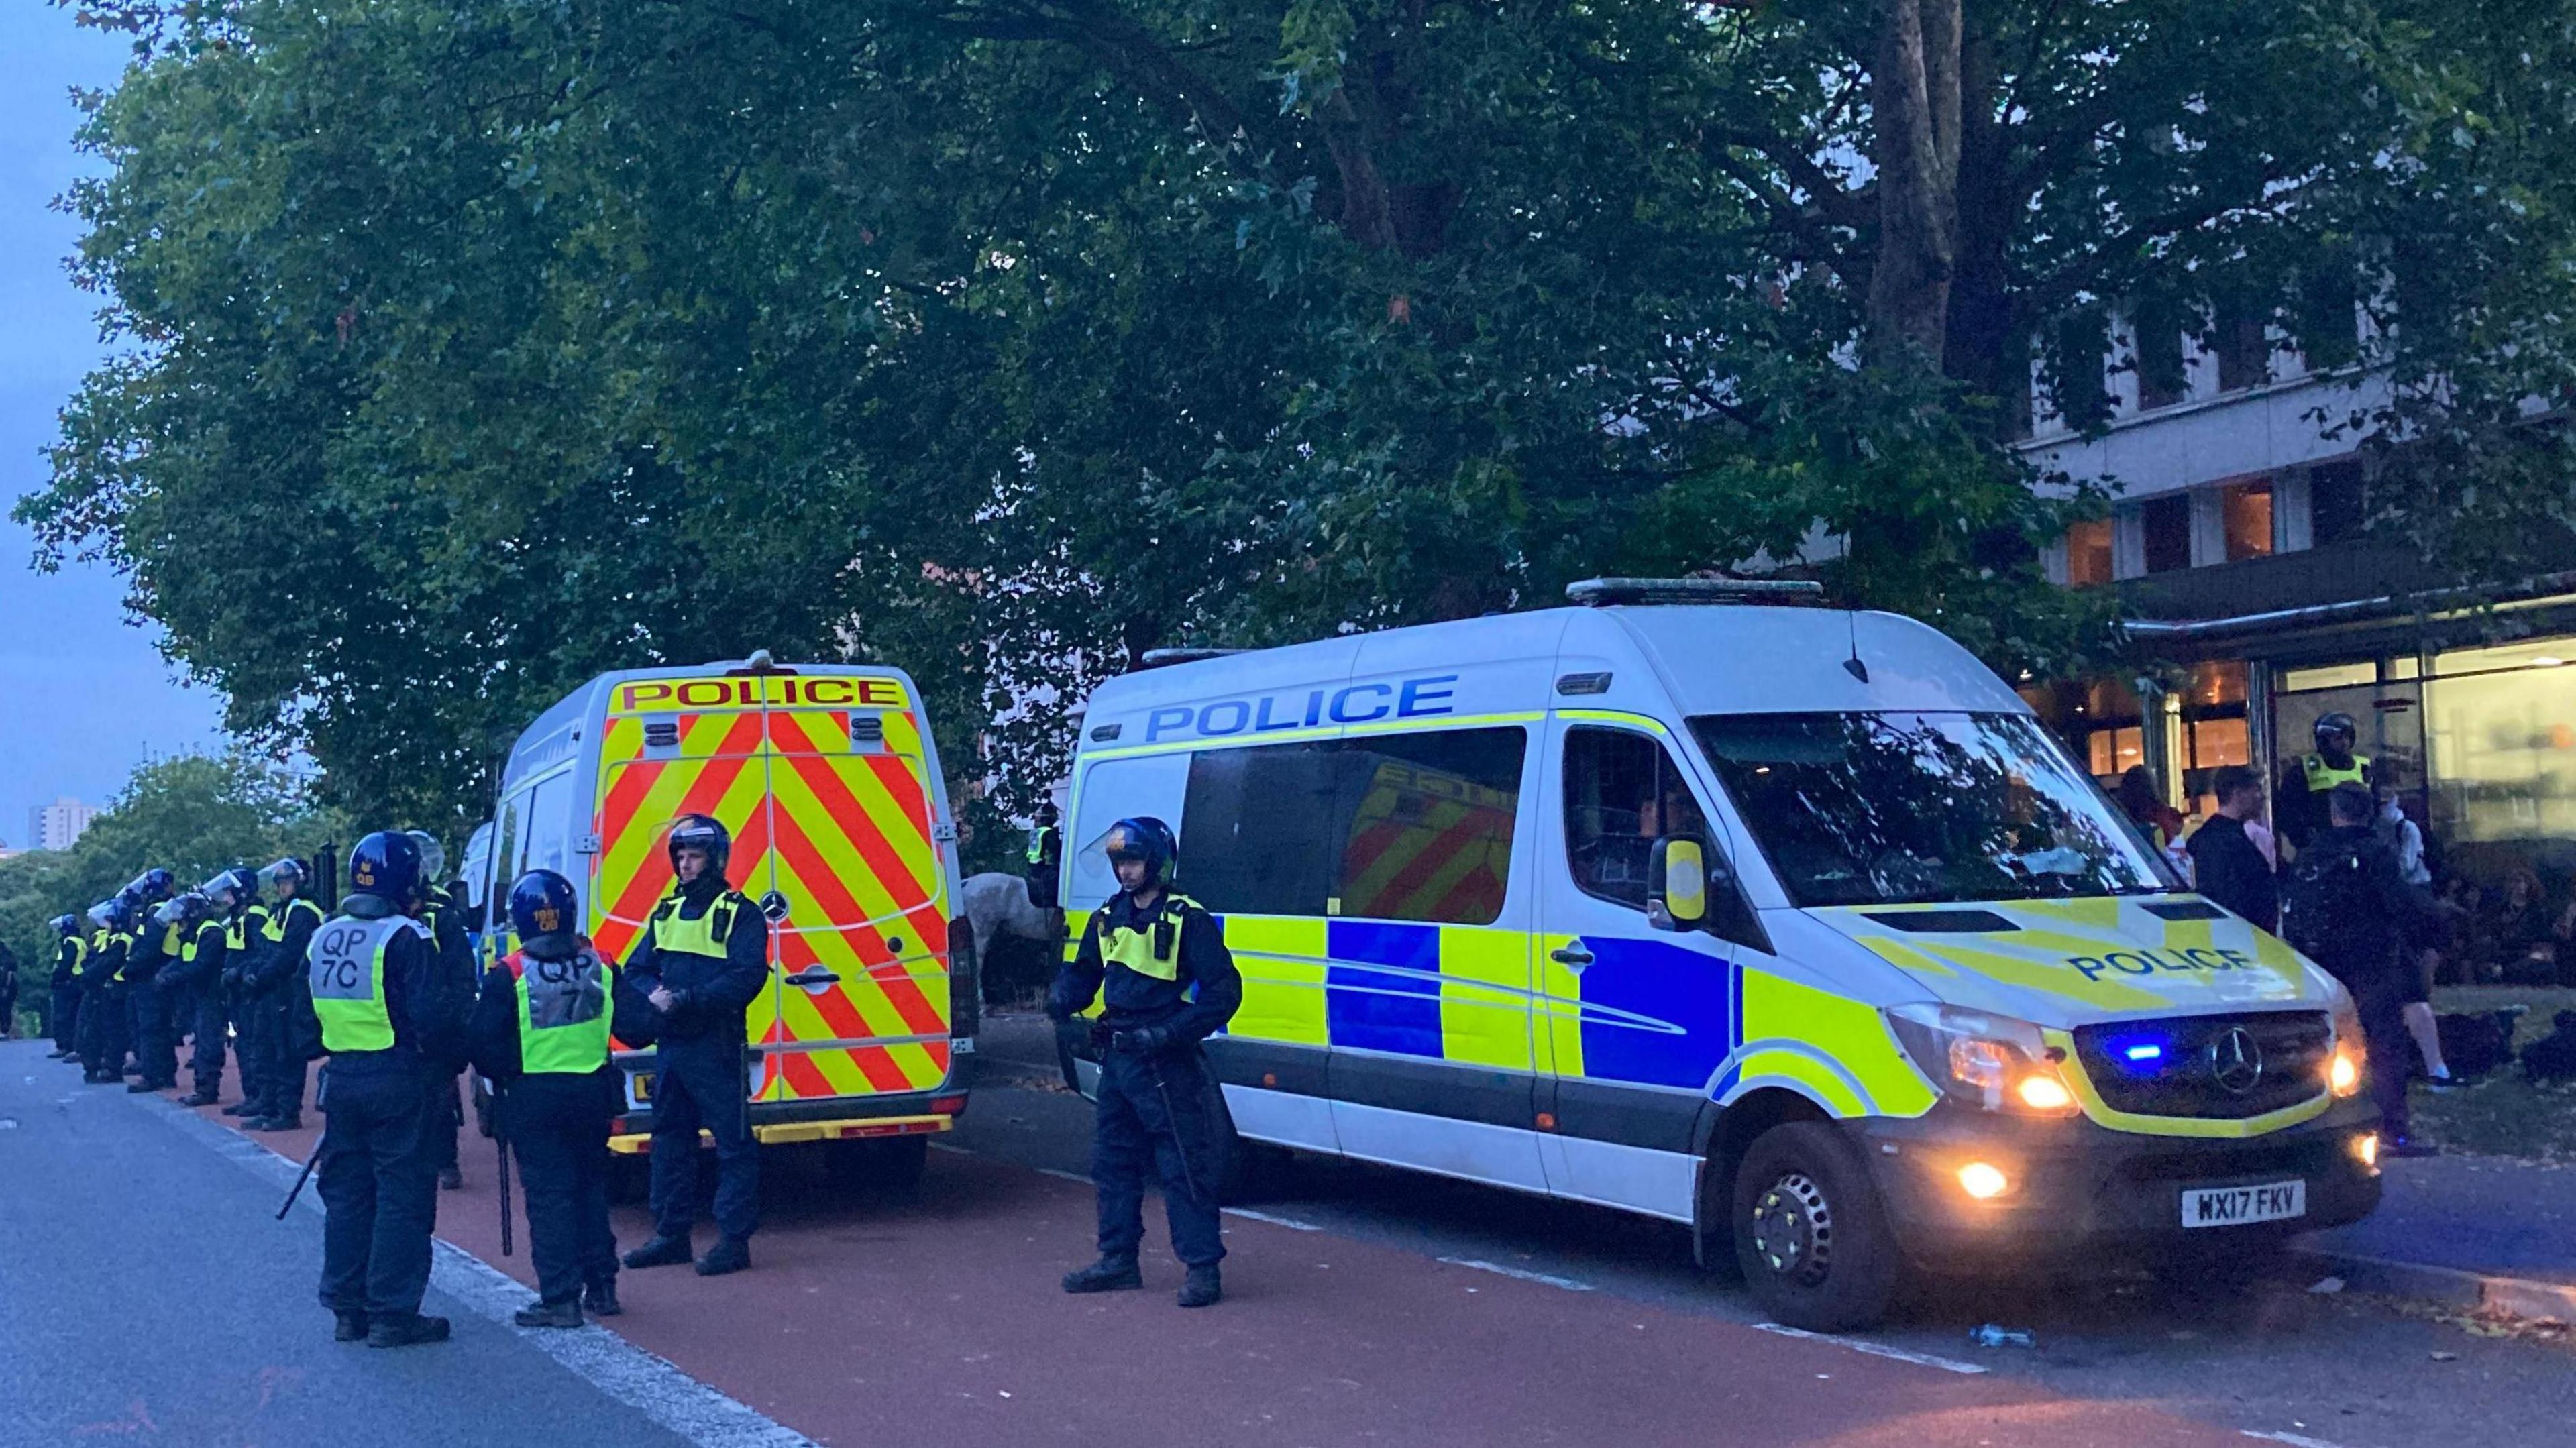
[{"x": 1853, "y": 666}]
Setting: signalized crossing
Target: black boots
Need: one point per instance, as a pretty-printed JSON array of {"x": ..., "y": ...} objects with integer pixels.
[
  {"x": 660, "y": 1252},
  {"x": 601, "y": 1299},
  {"x": 1109, "y": 1274},
  {"x": 420, "y": 1328},
  {"x": 199, "y": 1098},
  {"x": 348, "y": 1327},
  {"x": 1201, "y": 1288},
  {"x": 566, "y": 1313},
  {"x": 729, "y": 1254}
]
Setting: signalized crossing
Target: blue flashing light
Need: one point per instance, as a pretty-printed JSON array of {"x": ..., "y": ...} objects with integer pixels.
[{"x": 2148, "y": 1051}]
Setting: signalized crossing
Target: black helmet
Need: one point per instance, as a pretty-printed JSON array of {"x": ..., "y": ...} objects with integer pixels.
[
  {"x": 2337, "y": 723},
  {"x": 1145, "y": 838},
  {"x": 288, "y": 871},
  {"x": 545, "y": 913},
  {"x": 150, "y": 888},
  {"x": 701, "y": 832},
  {"x": 113, "y": 914},
  {"x": 235, "y": 883},
  {"x": 386, "y": 865},
  {"x": 433, "y": 855},
  {"x": 65, "y": 924}
]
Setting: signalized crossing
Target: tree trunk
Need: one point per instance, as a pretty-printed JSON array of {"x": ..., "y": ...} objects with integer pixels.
[
  {"x": 1981, "y": 347},
  {"x": 1914, "y": 101}
]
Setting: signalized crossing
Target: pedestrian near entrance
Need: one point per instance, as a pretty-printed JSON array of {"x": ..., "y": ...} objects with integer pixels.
[
  {"x": 1158, "y": 964},
  {"x": 703, "y": 957},
  {"x": 281, "y": 1002},
  {"x": 2226, "y": 864},
  {"x": 2299, "y": 805},
  {"x": 540, "y": 1035},
  {"x": 71, "y": 967},
  {"x": 2351, "y": 911},
  {"x": 393, "y": 1022}
]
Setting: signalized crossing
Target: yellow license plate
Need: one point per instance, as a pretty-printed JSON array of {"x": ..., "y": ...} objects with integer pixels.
[{"x": 639, "y": 1087}]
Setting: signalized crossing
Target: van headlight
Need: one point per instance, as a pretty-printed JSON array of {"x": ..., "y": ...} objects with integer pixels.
[
  {"x": 1992, "y": 1062},
  {"x": 2350, "y": 1062}
]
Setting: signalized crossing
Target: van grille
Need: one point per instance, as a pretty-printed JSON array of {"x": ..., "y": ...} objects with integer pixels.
[{"x": 2198, "y": 1066}]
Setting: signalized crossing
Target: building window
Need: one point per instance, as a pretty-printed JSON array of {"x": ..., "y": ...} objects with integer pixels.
[
  {"x": 2165, "y": 524},
  {"x": 2337, "y": 511},
  {"x": 2244, "y": 354},
  {"x": 2088, "y": 553},
  {"x": 2246, "y": 511},
  {"x": 2160, "y": 376}
]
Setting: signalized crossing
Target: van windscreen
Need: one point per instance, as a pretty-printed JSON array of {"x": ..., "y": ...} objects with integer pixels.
[{"x": 1878, "y": 809}]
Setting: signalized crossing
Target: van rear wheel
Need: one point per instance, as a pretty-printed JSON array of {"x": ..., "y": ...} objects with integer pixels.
[{"x": 1810, "y": 1232}]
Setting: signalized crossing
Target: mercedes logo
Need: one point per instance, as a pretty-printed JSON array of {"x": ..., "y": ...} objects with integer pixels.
[{"x": 2235, "y": 1060}]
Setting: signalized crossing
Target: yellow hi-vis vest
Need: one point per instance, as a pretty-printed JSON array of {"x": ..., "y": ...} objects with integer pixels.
[
  {"x": 80, "y": 955},
  {"x": 1153, "y": 948},
  {"x": 2323, "y": 776},
  {"x": 275, "y": 919},
  {"x": 345, "y": 966},
  {"x": 237, "y": 932},
  {"x": 563, "y": 1013},
  {"x": 702, "y": 936}
]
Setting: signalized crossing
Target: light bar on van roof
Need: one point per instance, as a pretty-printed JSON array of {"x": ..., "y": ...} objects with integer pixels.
[
  {"x": 1164, "y": 658},
  {"x": 1604, "y": 592}
]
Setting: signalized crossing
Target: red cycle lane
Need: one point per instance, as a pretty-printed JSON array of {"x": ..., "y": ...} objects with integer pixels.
[{"x": 937, "y": 1318}]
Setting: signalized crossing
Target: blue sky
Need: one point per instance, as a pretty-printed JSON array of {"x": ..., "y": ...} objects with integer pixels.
[{"x": 84, "y": 696}]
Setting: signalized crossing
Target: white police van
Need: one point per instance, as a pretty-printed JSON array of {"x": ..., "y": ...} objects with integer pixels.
[{"x": 1789, "y": 924}]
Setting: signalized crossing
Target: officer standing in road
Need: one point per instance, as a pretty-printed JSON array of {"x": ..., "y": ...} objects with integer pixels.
[
  {"x": 540, "y": 1034},
  {"x": 2299, "y": 804},
  {"x": 281, "y": 1000},
  {"x": 193, "y": 991},
  {"x": 156, "y": 941},
  {"x": 1142, "y": 953},
  {"x": 71, "y": 963},
  {"x": 393, "y": 1022},
  {"x": 703, "y": 957},
  {"x": 105, "y": 1026},
  {"x": 447, "y": 931},
  {"x": 2351, "y": 910}
]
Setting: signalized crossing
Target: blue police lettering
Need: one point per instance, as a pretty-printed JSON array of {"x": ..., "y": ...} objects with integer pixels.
[
  {"x": 2236, "y": 959},
  {"x": 2201, "y": 959},
  {"x": 1167, "y": 718},
  {"x": 1263, "y": 723},
  {"x": 1242, "y": 717},
  {"x": 2127, "y": 963},
  {"x": 1376, "y": 712},
  {"x": 1420, "y": 697},
  {"x": 2089, "y": 967}
]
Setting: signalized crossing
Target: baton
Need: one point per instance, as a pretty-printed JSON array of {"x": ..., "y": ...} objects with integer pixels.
[
  {"x": 306, "y": 1176},
  {"x": 501, "y": 1146},
  {"x": 1180, "y": 1148}
]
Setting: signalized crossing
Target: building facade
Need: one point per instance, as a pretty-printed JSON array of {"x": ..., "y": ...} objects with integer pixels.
[
  {"x": 59, "y": 826},
  {"x": 2244, "y": 569}
]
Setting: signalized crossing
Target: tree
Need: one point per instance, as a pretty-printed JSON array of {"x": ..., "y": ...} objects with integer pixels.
[
  {"x": 192, "y": 815},
  {"x": 477, "y": 348}
]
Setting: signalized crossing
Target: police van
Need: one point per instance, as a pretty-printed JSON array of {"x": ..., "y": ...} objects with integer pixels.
[
  {"x": 827, "y": 777},
  {"x": 1789, "y": 924}
]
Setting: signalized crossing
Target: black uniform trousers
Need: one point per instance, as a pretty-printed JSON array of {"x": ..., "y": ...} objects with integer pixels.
[
  {"x": 281, "y": 1068},
  {"x": 106, "y": 1030},
  {"x": 446, "y": 1120},
  {"x": 1156, "y": 1112},
  {"x": 2391, "y": 1049},
  {"x": 206, "y": 1057},
  {"x": 378, "y": 1184},
  {"x": 700, "y": 1083},
  {"x": 156, "y": 1032},
  {"x": 557, "y": 1127},
  {"x": 67, "y": 1012}
]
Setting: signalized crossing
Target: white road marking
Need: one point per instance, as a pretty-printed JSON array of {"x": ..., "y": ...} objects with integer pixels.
[
  {"x": 2295, "y": 1440},
  {"x": 1874, "y": 1349},
  {"x": 1523, "y": 1273},
  {"x": 1291, "y": 1223},
  {"x": 618, "y": 1368}
]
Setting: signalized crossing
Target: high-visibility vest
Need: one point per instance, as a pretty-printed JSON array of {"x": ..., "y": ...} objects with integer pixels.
[
  {"x": 80, "y": 954},
  {"x": 2323, "y": 776},
  {"x": 563, "y": 1013},
  {"x": 1152, "y": 947},
  {"x": 237, "y": 932},
  {"x": 345, "y": 966},
  {"x": 702, "y": 936},
  {"x": 272, "y": 927}
]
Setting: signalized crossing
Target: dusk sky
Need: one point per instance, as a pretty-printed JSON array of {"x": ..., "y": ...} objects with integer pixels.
[{"x": 84, "y": 696}]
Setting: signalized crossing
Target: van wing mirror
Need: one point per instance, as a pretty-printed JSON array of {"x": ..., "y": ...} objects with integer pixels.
[{"x": 1677, "y": 884}]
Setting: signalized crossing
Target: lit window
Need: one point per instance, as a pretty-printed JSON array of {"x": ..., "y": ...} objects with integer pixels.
[
  {"x": 2088, "y": 553},
  {"x": 2247, "y": 509}
]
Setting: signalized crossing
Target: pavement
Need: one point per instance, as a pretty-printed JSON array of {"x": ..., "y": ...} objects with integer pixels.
[{"x": 147, "y": 1295}]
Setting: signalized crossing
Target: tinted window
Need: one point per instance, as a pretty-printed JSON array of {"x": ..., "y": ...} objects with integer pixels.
[
  {"x": 1622, "y": 793},
  {"x": 1866, "y": 809},
  {"x": 1397, "y": 827}
]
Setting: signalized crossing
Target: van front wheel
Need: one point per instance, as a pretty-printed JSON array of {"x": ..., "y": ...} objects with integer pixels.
[{"x": 1810, "y": 1232}]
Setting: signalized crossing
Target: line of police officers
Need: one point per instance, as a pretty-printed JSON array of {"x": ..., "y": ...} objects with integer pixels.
[{"x": 385, "y": 991}]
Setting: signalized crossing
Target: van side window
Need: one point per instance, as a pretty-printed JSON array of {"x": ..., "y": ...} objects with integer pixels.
[
  {"x": 1622, "y": 793},
  {"x": 1414, "y": 827}
]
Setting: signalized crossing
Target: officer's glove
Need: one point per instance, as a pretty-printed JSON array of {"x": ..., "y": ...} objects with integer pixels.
[{"x": 1143, "y": 1041}]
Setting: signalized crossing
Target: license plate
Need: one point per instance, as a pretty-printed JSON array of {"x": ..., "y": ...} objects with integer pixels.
[
  {"x": 2236, "y": 1206},
  {"x": 639, "y": 1087}
]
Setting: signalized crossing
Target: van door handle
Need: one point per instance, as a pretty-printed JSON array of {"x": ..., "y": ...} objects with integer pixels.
[
  {"x": 813, "y": 975},
  {"x": 1574, "y": 956}
]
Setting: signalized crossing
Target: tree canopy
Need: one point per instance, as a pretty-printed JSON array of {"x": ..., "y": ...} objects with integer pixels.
[{"x": 469, "y": 349}]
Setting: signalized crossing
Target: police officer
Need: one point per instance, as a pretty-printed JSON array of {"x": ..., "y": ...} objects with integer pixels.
[
  {"x": 447, "y": 931},
  {"x": 281, "y": 1001},
  {"x": 156, "y": 941},
  {"x": 106, "y": 1026},
  {"x": 541, "y": 1034},
  {"x": 703, "y": 956},
  {"x": 71, "y": 962},
  {"x": 194, "y": 991},
  {"x": 2351, "y": 909},
  {"x": 178, "y": 989},
  {"x": 2299, "y": 805},
  {"x": 1141, "y": 954},
  {"x": 393, "y": 1022}
]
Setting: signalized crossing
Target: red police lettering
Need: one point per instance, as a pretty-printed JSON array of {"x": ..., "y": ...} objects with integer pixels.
[
  {"x": 827, "y": 691},
  {"x": 699, "y": 693},
  {"x": 638, "y": 695}
]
